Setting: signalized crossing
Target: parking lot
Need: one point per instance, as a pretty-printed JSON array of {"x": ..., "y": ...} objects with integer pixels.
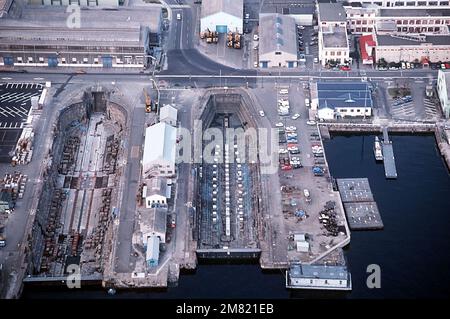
[{"x": 15, "y": 105}]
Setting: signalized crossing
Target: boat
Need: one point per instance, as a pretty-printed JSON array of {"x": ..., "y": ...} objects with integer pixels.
[{"x": 377, "y": 149}]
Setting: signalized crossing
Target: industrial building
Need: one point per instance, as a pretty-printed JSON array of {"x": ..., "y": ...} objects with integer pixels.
[
  {"x": 156, "y": 192},
  {"x": 222, "y": 16},
  {"x": 363, "y": 19},
  {"x": 278, "y": 42},
  {"x": 302, "y": 276},
  {"x": 90, "y": 3},
  {"x": 401, "y": 4},
  {"x": 152, "y": 251},
  {"x": 341, "y": 99},
  {"x": 168, "y": 114},
  {"x": 412, "y": 48},
  {"x": 443, "y": 88},
  {"x": 159, "y": 150},
  {"x": 154, "y": 223},
  {"x": 302, "y": 11},
  {"x": 333, "y": 39},
  {"x": 104, "y": 38}
]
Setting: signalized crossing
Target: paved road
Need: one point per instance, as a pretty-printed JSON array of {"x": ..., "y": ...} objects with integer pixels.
[{"x": 128, "y": 207}]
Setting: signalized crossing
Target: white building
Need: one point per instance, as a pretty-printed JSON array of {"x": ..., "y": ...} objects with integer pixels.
[
  {"x": 443, "y": 88},
  {"x": 152, "y": 251},
  {"x": 318, "y": 277},
  {"x": 401, "y": 4},
  {"x": 168, "y": 114},
  {"x": 159, "y": 150},
  {"x": 277, "y": 41},
  {"x": 92, "y": 3},
  {"x": 154, "y": 223},
  {"x": 412, "y": 48},
  {"x": 156, "y": 192},
  {"x": 333, "y": 40},
  {"x": 222, "y": 15},
  {"x": 341, "y": 99}
]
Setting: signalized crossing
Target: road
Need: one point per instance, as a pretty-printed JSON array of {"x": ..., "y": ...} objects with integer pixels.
[{"x": 128, "y": 206}]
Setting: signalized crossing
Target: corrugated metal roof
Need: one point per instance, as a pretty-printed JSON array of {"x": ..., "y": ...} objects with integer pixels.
[
  {"x": 232, "y": 7},
  {"x": 348, "y": 94},
  {"x": 160, "y": 143}
]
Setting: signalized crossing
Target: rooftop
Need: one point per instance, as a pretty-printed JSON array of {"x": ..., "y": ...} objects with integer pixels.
[
  {"x": 168, "y": 111},
  {"x": 160, "y": 140},
  {"x": 319, "y": 271},
  {"x": 334, "y": 37},
  {"x": 446, "y": 75},
  {"x": 390, "y": 40},
  {"x": 154, "y": 220},
  {"x": 158, "y": 186},
  {"x": 332, "y": 12},
  {"x": 277, "y": 33},
  {"x": 340, "y": 94},
  {"x": 414, "y": 12},
  {"x": 232, "y": 7},
  {"x": 97, "y": 25}
]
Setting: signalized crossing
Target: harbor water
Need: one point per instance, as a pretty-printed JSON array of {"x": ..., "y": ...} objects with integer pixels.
[{"x": 412, "y": 250}]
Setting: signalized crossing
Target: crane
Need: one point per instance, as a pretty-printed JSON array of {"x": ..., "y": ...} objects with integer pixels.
[{"x": 148, "y": 101}]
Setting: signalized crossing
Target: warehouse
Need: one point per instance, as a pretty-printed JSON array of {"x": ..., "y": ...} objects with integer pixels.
[
  {"x": 278, "y": 42},
  {"x": 338, "y": 100},
  {"x": 412, "y": 48},
  {"x": 443, "y": 88},
  {"x": 105, "y": 3},
  {"x": 103, "y": 38},
  {"x": 302, "y": 11},
  {"x": 154, "y": 223},
  {"x": 222, "y": 15},
  {"x": 159, "y": 150},
  {"x": 152, "y": 251},
  {"x": 168, "y": 114}
]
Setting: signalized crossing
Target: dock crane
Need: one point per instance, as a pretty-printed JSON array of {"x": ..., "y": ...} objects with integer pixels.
[{"x": 148, "y": 101}]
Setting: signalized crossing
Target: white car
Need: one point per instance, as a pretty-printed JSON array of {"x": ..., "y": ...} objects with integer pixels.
[
  {"x": 255, "y": 64},
  {"x": 255, "y": 37},
  {"x": 295, "y": 116},
  {"x": 178, "y": 16},
  {"x": 282, "y": 151},
  {"x": 261, "y": 113},
  {"x": 247, "y": 16},
  {"x": 291, "y": 129},
  {"x": 311, "y": 122},
  {"x": 279, "y": 124},
  {"x": 316, "y": 60}
]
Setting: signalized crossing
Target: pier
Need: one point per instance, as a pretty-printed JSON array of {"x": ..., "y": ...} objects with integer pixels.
[
  {"x": 360, "y": 207},
  {"x": 388, "y": 156}
]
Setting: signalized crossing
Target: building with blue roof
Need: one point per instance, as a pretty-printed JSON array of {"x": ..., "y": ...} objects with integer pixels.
[{"x": 333, "y": 100}]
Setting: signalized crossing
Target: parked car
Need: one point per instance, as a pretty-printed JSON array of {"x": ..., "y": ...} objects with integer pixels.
[
  {"x": 295, "y": 116},
  {"x": 345, "y": 68},
  {"x": 316, "y": 60},
  {"x": 279, "y": 124},
  {"x": 261, "y": 113},
  {"x": 311, "y": 122},
  {"x": 255, "y": 37}
]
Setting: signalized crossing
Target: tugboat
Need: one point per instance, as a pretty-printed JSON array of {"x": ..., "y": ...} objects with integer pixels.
[{"x": 377, "y": 150}]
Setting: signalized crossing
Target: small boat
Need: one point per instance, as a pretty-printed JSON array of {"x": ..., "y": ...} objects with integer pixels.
[{"x": 377, "y": 150}]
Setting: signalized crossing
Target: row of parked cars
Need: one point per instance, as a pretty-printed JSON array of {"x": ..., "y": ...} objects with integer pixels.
[{"x": 412, "y": 65}]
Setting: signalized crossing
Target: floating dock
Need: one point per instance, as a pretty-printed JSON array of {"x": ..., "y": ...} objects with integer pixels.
[
  {"x": 360, "y": 207},
  {"x": 390, "y": 170}
]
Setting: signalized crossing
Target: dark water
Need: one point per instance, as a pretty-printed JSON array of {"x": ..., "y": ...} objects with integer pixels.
[{"x": 413, "y": 250}]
